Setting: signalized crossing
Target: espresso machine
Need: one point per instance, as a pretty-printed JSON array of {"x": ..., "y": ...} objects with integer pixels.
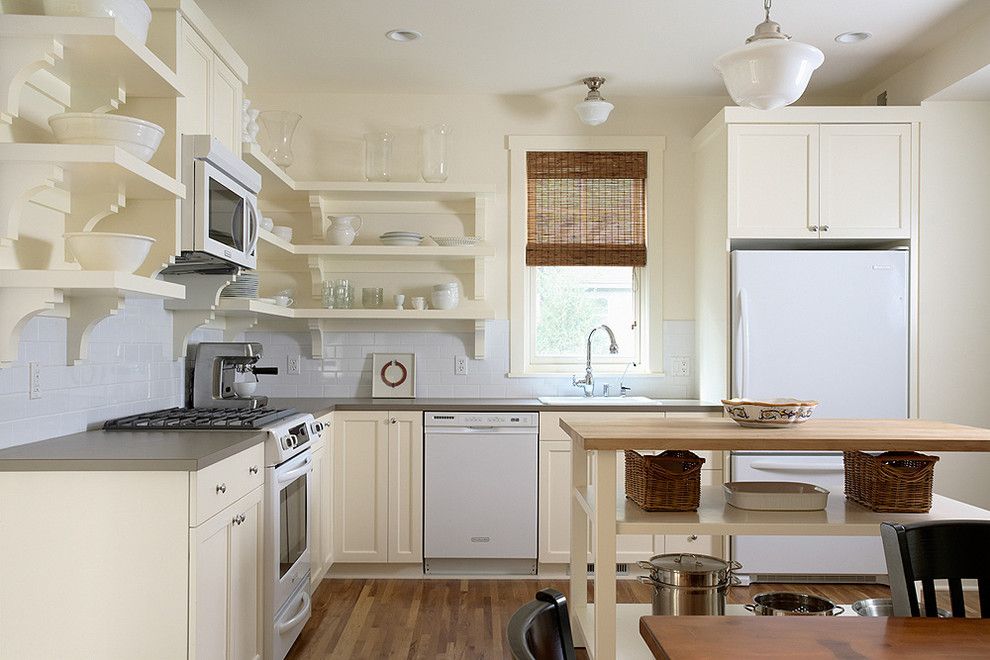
[{"x": 214, "y": 369}]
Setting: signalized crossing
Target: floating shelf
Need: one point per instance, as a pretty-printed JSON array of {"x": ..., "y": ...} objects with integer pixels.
[
  {"x": 275, "y": 183},
  {"x": 385, "y": 251},
  {"x": 106, "y": 175},
  {"x": 26, "y": 293},
  {"x": 112, "y": 62},
  {"x": 467, "y": 311}
]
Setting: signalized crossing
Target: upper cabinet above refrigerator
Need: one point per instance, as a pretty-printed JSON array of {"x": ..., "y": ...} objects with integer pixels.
[{"x": 809, "y": 181}]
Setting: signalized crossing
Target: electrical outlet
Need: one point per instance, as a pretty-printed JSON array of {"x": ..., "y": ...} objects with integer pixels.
[
  {"x": 35, "y": 379},
  {"x": 680, "y": 366},
  {"x": 292, "y": 365},
  {"x": 460, "y": 365}
]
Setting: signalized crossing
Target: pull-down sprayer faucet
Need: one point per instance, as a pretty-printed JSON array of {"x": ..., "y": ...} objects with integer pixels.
[{"x": 588, "y": 382}]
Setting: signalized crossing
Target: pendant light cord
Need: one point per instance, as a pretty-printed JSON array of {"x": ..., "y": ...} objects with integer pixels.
[{"x": 766, "y": 8}]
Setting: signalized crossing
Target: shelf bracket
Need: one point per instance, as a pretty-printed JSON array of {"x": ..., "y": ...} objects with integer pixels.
[
  {"x": 17, "y": 307},
  {"x": 198, "y": 308},
  {"x": 84, "y": 315},
  {"x": 19, "y": 59},
  {"x": 316, "y": 213},
  {"x": 480, "y": 328},
  {"x": 316, "y": 330},
  {"x": 86, "y": 211},
  {"x": 19, "y": 183}
]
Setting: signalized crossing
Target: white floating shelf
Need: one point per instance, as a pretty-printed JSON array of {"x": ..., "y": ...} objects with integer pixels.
[
  {"x": 95, "y": 168},
  {"x": 386, "y": 251},
  {"x": 467, "y": 311},
  {"x": 240, "y": 306},
  {"x": 91, "y": 282},
  {"x": 98, "y": 52}
]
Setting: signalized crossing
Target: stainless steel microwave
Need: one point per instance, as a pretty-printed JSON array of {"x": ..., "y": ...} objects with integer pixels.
[{"x": 220, "y": 216}]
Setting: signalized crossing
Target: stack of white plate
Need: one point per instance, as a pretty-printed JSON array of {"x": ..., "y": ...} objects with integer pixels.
[
  {"x": 246, "y": 286},
  {"x": 401, "y": 238}
]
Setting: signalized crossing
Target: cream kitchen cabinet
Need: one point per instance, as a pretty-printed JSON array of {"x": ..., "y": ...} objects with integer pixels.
[
  {"x": 377, "y": 502},
  {"x": 320, "y": 511},
  {"x": 225, "y": 578},
  {"x": 809, "y": 181},
  {"x": 213, "y": 92}
]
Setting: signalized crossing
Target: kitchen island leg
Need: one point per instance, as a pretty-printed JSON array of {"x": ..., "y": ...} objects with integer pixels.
[
  {"x": 578, "y": 601},
  {"x": 604, "y": 529}
]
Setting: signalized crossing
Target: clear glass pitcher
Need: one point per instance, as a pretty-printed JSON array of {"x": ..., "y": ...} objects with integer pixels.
[
  {"x": 378, "y": 156},
  {"x": 280, "y": 126},
  {"x": 435, "y": 164}
]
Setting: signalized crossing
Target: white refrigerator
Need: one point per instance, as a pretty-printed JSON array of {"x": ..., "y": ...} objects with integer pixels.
[{"x": 830, "y": 326}]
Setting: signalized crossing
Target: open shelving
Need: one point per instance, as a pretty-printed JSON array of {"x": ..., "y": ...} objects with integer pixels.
[
  {"x": 381, "y": 251},
  {"x": 111, "y": 62}
]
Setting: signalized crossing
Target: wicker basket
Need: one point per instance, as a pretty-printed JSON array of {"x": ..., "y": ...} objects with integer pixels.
[
  {"x": 895, "y": 481},
  {"x": 670, "y": 481}
]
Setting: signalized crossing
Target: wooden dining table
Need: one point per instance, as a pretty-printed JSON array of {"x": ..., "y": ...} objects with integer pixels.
[{"x": 814, "y": 637}]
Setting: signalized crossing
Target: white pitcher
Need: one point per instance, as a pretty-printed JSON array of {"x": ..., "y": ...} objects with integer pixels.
[{"x": 342, "y": 230}]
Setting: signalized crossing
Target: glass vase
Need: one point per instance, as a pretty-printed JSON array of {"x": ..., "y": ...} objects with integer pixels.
[
  {"x": 378, "y": 156},
  {"x": 280, "y": 126},
  {"x": 435, "y": 139}
]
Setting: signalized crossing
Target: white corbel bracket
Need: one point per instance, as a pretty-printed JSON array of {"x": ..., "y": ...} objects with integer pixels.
[
  {"x": 84, "y": 315},
  {"x": 19, "y": 58},
  {"x": 198, "y": 308},
  {"x": 19, "y": 183},
  {"x": 17, "y": 307}
]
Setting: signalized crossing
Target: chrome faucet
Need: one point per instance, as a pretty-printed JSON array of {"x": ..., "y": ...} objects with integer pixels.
[{"x": 588, "y": 382}]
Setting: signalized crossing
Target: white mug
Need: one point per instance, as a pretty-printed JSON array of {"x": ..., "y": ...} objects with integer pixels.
[
  {"x": 283, "y": 301},
  {"x": 399, "y": 300},
  {"x": 418, "y": 302}
]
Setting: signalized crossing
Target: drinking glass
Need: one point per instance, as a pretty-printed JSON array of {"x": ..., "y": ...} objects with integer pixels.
[
  {"x": 280, "y": 126},
  {"x": 378, "y": 156},
  {"x": 371, "y": 297},
  {"x": 338, "y": 294},
  {"x": 435, "y": 139}
]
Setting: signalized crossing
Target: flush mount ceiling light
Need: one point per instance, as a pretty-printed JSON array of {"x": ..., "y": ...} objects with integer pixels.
[
  {"x": 853, "y": 37},
  {"x": 770, "y": 71},
  {"x": 593, "y": 110},
  {"x": 403, "y": 35}
]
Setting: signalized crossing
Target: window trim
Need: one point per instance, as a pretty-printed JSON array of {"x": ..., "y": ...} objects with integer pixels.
[{"x": 520, "y": 285}]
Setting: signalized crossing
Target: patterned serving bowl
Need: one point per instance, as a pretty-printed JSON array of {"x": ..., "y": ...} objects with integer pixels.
[{"x": 773, "y": 412}]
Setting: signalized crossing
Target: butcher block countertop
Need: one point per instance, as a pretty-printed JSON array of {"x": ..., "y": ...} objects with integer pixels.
[{"x": 815, "y": 434}]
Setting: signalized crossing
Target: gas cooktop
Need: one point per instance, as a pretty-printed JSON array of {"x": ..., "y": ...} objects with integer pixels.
[{"x": 197, "y": 419}]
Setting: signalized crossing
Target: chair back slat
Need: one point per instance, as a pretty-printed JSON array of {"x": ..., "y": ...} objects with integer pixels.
[
  {"x": 928, "y": 592},
  {"x": 956, "y": 597}
]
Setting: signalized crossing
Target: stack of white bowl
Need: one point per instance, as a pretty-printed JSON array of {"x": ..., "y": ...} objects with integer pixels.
[
  {"x": 246, "y": 286},
  {"x": 405, "y": 238},
  {"x": 446, "y": 295}
]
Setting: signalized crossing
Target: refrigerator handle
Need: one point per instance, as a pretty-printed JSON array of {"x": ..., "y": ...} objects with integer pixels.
[{"x": 740, "y": 357}]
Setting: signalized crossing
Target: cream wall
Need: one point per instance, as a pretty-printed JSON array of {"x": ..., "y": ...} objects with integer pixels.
[{"x": 328, "y": 145}]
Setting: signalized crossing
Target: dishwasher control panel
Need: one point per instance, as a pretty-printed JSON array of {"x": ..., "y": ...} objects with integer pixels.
[{"x": 482, "y": 419}]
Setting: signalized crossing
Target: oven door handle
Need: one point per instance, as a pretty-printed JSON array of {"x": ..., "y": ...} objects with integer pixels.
[
  {"x": 292, "y": 475},
  {"x": 297, "y": 618}
]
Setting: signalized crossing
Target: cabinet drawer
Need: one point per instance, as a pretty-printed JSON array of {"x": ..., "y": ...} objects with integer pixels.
[
  {"x": 550, "y": 422},
  {"x": 693, "y": 544},
  {"x": 221, "y": 484}
]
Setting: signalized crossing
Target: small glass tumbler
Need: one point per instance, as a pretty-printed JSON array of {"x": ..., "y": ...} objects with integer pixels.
[
  {"x": 435, "y": 164},
  {"x": 378, "y": 156},
  {"x": 371, "y": 297},
  {"x": 338, "y": 294}
]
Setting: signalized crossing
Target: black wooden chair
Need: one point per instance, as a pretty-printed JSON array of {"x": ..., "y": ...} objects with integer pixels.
[
  {"x": 951, "y": 550},
  {"x": 540, "y": 629}
]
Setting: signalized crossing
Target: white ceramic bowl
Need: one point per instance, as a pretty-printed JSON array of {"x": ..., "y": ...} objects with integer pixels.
[
  {"x": 135, "y": 136},
  {"x": 245, "y": 388},
  {"x": 134, "y": 15},
  {"x": 123, "y": 253},
  {"x": 772, "y": 412}
]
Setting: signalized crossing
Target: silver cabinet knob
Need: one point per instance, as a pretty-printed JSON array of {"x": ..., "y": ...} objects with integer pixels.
[
  {"x": 813, "y": 228},
  {"x": 693, "y": 537},
  {"x": 239, "y": 518},
  {"x": 824, "y": 227},
  {"x": 221, "y": 488},
  {"x": 393, "y": 420},
  {"x": 253, "y": 469}
]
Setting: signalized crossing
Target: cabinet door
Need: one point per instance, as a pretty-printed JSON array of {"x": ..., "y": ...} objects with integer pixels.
[
  {"x": 773, "y": 181},
  {"x": 555, "y": 502},
  {"x": 210, "y": 587},
  {"x": 405, "y": 488},
  {"x": 318, "y": 517},
  {"x": 246, "y": 575},
  {"x": 225, "y": 110},
  {"x": 326, "y": 508},
  {"x": 360, "y": 486},
  {"x": 866, "y": 181},
  {"x": 194, "y": 68}
]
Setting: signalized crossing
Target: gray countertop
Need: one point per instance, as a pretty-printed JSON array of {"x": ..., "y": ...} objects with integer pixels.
[{"x": 99, "y": 450}]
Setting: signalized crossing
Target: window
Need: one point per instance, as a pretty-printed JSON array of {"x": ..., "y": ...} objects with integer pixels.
[{"x": 580, "y": 251}]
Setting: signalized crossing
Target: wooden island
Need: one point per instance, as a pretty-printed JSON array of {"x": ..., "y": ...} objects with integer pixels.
[{"x": 609, "y": 513}]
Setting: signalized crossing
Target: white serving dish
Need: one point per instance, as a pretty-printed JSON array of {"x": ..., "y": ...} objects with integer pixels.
[
  {"x": 135, "y": 136},
  {"x": 134, "y": 15},
  {"x": 775, "y": 495},
  {"x": 400, "y": 241},
  {"x": 772, "y": 412},
  {"x": 123, "y": 253},
  {"x": 455, "y": 241}
]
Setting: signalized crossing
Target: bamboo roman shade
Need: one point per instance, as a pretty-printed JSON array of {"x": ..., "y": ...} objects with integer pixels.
[{"x": 586, "y": 208}]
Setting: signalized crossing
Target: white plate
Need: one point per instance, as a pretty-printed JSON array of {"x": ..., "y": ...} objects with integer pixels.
[{"x": 404, "y": 242}]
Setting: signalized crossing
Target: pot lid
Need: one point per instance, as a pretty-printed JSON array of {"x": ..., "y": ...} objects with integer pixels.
[{"x": 688, "y": 563}]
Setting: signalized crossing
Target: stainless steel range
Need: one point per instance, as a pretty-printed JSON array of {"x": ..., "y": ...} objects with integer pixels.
[{"x": 199, "y": 419}]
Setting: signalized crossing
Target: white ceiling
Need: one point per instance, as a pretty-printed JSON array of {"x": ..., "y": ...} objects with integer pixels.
[{"x": 643, "y": 47}]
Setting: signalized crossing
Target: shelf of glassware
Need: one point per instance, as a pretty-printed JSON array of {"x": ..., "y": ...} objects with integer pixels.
[
  {"x": 473, "y": 251},
  {"x": 97, "y": 58},
  {"x": 82, "y": 297}
]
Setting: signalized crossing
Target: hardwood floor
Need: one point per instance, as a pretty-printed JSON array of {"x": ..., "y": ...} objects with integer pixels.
[{"x": 458, "y": 619}]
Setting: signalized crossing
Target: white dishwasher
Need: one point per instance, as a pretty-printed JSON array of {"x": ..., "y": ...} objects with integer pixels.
[{"x": 480, "y": 495}]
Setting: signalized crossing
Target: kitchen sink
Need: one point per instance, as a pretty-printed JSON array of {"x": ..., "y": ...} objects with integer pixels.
[{"x": 599, "y": 401}]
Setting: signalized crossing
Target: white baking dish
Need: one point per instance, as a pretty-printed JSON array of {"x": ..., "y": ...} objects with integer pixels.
[{"x": 775, "y": 495}]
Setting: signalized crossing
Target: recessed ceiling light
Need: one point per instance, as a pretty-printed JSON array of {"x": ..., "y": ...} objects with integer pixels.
[
  {"x": 403, "y": 35},
  {"x": 853, "y": 37}
]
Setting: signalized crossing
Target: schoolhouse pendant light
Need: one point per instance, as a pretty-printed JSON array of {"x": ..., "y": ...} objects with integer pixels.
[
  {"x": 770, "y": 71},
  {"x": 593, "y": 110}
]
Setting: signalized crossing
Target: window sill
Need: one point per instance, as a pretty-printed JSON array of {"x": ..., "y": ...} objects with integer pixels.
[{"x": 598, "y": 374}]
